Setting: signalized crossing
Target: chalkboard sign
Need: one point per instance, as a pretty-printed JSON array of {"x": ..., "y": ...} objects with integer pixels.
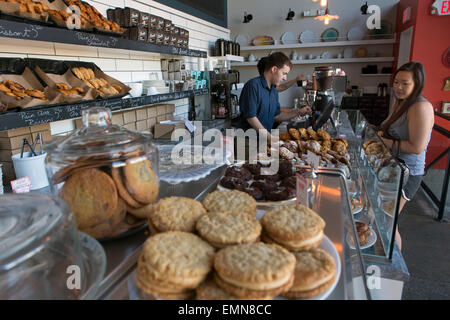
[
  {"x": 214, "y": 11},
  {"x": 35, "y": 116}
]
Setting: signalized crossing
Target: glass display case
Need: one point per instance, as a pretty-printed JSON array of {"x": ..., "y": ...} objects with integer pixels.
[{"x": 375, "y": 188}]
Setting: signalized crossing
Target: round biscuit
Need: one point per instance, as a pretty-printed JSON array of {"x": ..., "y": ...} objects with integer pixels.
[
  {"x": 223, "y": 200},
  {"x": 254, "y": 263},
  {"x": 209, "y": 290},
  {"x": 107, "y": 228},
  {"x": 248, "y": 294},
  {"x": 292, "y": 222},
  {"x": 228, "y": 228},
  {"x": 116, "y": 174},
  {"x": 178, "y": 254},
  {"x": 141, "y": 180},
  {"x": 300, "y": 246},
  {"x": 92, "y": 195},
  {"x": 176, "y": 214},
  {"x": 310, "y": 293}
]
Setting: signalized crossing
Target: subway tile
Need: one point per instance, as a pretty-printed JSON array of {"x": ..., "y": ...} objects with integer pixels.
[
  {"x": 99, "y": 6},
  {"x": 178, "y": 21},
  {"x": 110, "y": 3},
  {"x": 40, "y": 56},
  {"x": 129, "y": 65},
  {"x": 141, "y": 55},
  {"x": 139, "y": 76},
  {"x": 152, "y": 65},
  {"x": 13, "y": 55},
  {"x": 63, "y": 126},
  {"x": 104, "y": 64},
  {"x": 113, "y": 53},
  {"x": 29, "y": 46},
  {"x": 137, "y": 5},
  {"x": 63, "y": 49},
  {"x": 121, "y": 76},
  {"x": 181, "y": 109}
]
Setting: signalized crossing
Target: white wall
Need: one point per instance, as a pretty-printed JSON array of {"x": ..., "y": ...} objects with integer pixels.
[
  {"x": 124, "y": 65},
  {"x": 269, "y": 19}
]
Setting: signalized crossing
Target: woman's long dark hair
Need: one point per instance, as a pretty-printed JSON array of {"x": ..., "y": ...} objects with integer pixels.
[{"x": 402, "y": 106}]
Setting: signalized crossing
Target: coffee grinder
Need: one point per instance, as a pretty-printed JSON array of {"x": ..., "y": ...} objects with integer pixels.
[{"x": 323, "y": 86}]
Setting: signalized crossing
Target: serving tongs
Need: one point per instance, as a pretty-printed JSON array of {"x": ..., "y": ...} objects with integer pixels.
[{"x": 32, "y": 147}]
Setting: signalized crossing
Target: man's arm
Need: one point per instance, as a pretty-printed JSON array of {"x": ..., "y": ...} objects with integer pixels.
[
  {"x": 288, "y": 114},
  {"x": 286, "y": 85},
  {"x": 257, "y": 125}
]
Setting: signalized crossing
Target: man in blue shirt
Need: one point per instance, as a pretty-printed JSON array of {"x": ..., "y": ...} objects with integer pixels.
[{"x": 259, "y": 98}]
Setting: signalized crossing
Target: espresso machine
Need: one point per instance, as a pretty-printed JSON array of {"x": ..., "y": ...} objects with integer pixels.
[{"x": 323, "y": 87}]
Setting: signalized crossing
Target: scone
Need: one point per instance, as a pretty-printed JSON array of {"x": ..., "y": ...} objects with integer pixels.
[
  {"x": 92, "y": 195},
  {"x": 294, "y": 227},
  {"x": 221, "y": 229},
  {"x": 255, "y": 270},
  {"x": 176, "y": 214},
  {"x": 224, "y": 200},
  {"x": 141, "y": 180},
  {"x": 173, "y": 264},
  {"x": 315, "y": 272}
]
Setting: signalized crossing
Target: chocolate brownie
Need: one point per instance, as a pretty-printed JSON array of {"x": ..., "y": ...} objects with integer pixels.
[
  {"x": 274, "y": 178},
  {"x": 253, "y": 168},
  {"x": 255, "y": 193},
  {"x": 289, "y": 182},
  {"x": 233, "y": 183},
  {"x": 237, "y": 172},
  {"x": 281, "y": 193},
  {"x": 265, "y": 185}
]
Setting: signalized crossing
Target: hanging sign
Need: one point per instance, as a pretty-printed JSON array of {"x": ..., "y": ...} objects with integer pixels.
[{"x": 441, "y": 7}]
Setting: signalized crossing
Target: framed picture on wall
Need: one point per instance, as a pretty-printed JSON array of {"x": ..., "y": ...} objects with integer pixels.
[{"x": 446, "y": 107}]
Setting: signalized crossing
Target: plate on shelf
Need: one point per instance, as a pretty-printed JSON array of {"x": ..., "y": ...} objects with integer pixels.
[
  {"x": 361, "y": 52},
  {"x": 355, "y": 34},
  {"x": 307, "y": 36},
  {"x": 330, "y": 34},
  {"x": 263, "y": 41},
  {"x": 326, "y": 55},
  {"x": 372, "y": 240},
  {"x": 289, "y": 38},
  {"x": 348, "y": 53},
  {"x": 243, "y": 40}
]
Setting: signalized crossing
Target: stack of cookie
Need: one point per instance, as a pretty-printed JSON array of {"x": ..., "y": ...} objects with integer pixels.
[
  {"x": 294, "y": 227},
  {"x": 224, "y": 200},
  {"x": 300, "y": 230},
  {"x": 99, "y": 195},
  {"x": 173, "y": 264},
  {"x": 254, "y": 271}
]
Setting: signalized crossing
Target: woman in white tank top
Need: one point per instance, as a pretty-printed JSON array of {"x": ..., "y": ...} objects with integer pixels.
[{"x": 409, "y": 124}]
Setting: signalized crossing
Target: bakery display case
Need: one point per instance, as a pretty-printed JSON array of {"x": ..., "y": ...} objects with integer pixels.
[{"x": 378, "y": 180}]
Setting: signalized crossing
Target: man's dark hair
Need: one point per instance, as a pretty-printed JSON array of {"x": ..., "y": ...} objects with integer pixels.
[
  {"x": 277, "y": 59},
  {"x": 261, "y": 65}
]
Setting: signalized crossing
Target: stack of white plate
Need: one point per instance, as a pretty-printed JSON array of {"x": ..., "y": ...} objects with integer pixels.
[{"x": 150, "y": 87}]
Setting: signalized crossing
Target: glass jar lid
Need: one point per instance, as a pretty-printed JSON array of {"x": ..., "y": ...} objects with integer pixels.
[
  {"x": 98, "y": 136},
  {"x": 27, "y": 222}
]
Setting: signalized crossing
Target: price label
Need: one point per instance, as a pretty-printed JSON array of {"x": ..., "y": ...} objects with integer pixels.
[
  {"x": 302, "y": 190},
  {"x": 313, "y": 159},
  {"x": 22, "y": 185}
]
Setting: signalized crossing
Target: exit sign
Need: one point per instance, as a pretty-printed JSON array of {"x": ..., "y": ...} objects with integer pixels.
[{"x": 441, "y": 7}]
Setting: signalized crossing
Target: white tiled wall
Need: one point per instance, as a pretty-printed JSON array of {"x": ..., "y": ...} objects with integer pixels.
[{"x": 124, "y": 65}]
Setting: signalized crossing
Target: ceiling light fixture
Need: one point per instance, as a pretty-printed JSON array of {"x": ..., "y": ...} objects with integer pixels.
[
  {"x": 326, "y": 18},
  {"x": 324, "y": 3}
]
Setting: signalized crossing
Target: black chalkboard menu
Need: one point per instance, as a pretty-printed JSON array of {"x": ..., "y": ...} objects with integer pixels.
[{"x": 214, "y": 11}]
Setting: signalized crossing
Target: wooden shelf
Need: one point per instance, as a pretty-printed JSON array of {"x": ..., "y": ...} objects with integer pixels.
[
  {"x": 321, "y": 44},
  {"x": 324, "y": 61},
  {"x": 229, "y": 57},
  {"x": 40, "y": 115},
  {"x": 26, "y": 31},
  {"x": 376, "y": 75}
]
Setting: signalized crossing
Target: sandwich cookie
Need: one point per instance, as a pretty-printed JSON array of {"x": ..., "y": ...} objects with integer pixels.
[
  {"x": 253, "y": 271},
  {"x": 315, "y": 272},
  {"x": 294, "y": 227},
  {"x": 221, "y": 229},
  {"x": 175, "y": 214},
  {"x": 225, "y": 200},
  {"x": 173, "y": 264}
]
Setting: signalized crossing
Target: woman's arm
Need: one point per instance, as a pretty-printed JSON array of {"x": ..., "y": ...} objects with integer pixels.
[{"x": 420, "y": 122}]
